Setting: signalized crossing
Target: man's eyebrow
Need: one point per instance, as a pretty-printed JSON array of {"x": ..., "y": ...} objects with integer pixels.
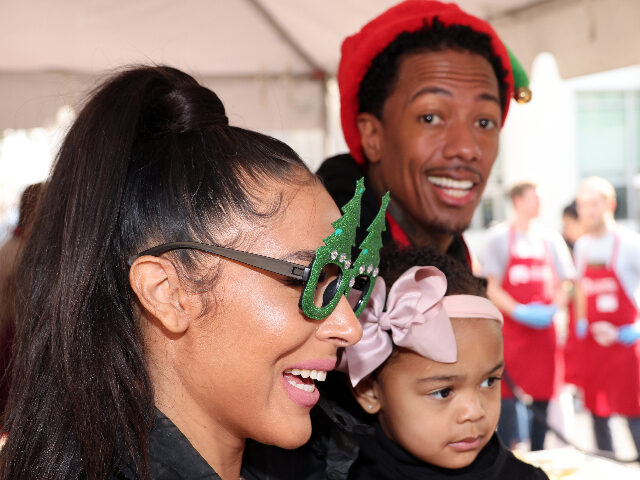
[
  {"x": 490, "y": 97},
  {"x": 429, "y": 90},
  {"x": 304, "y": 256},
  {"x": 447, "y": 93}
]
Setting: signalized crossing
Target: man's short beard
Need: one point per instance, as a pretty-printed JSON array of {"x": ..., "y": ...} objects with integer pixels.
[{"x": 445, "y": 228}]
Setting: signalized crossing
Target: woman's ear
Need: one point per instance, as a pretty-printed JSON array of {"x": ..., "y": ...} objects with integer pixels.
[
  {"x": 370, "y": 129},
  {"x": 159, "y": 290},
  {"x": 366, "y": 394}
]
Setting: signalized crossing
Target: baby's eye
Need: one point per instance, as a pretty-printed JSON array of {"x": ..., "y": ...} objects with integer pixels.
[
  {"x": 490, "y": 382},
  {"x": 441, "y": 394},
  {"x": 431, "y": 119},
  {"x": 486, "y": 124}
]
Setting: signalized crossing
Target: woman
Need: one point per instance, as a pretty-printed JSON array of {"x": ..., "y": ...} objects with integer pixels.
[{"x": 140, "y": 357}]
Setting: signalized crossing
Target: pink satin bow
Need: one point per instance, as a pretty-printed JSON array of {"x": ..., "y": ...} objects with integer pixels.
[{"x": 414, "y": 315}]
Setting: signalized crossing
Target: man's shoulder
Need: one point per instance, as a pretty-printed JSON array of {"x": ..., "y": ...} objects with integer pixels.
[
  {"x": 497, "y": 232},
  {"x": 627, "y": 235},
  {"x": 339, "y": 174}
]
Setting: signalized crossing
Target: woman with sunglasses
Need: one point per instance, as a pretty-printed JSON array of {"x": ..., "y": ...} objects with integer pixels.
[{"x": 185, "y": 289}]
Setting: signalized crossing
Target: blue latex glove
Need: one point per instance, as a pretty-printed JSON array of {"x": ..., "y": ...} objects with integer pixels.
[
  {"x": 629, "y": 334},
  {"x": 581, "y": 327},
  {"x": 534, "y": 315}
]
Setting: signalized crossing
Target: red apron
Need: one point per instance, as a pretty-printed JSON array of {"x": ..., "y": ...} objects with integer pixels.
[
  {"x": 529, "y": 353},
  {"x": 573, "y": 350},
  {"x": 612, "y": 379}
]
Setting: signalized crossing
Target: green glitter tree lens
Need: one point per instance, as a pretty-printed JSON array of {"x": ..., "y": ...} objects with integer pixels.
[{"x": 333, "y": 273}]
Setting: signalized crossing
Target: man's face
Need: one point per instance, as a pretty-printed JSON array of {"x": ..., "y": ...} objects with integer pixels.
[
  {"x": 438, "y": 137},
  {"x": 593, "y": 209},
  {"x": 528, "y": 204}
]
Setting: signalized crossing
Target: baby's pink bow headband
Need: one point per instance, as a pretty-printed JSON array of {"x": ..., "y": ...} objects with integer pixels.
[{"x": 418, "y": 316}]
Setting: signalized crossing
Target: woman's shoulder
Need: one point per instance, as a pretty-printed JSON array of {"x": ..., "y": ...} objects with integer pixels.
[{"x": 171, "y": 456}]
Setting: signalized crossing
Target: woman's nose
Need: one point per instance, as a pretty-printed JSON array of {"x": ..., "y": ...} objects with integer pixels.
[{"x": 341, "y": 326}]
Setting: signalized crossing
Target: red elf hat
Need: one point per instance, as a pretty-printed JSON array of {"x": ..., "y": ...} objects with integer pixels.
[{"x": 359, "y": 50}]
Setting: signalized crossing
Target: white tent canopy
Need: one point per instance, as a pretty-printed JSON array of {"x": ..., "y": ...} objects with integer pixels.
[{"x": 265, "y": 57}]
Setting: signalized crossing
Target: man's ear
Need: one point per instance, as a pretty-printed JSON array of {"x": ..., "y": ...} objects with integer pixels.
[
  {"x": 366, "y": 393},
  {"x": 159, "y": 290},
  {"x": 370, "y": 129}
]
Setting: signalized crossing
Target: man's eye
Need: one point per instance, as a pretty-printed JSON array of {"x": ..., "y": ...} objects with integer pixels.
[
  {"x": 442, "y": 394},
  {"x": 431, "y": 119},
  {"x": 486, "y": 124}
]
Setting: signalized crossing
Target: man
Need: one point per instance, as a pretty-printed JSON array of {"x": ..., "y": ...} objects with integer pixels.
[
  {"x": 608, "y": 264},
  {"x": 529, "y": 271},
  {"x": 424, "y": 91}
]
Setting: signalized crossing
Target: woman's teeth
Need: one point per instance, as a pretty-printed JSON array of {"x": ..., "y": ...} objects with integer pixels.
[{"x": 319, "y": 375}]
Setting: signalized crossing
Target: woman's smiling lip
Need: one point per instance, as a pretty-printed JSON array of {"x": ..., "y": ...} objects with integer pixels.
[
  {"x": 298, "y": 380},
  {"x": 467, "y": 444}
]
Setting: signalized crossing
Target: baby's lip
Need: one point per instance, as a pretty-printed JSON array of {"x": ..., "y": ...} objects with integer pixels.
[{"x": 467, "y": 443}]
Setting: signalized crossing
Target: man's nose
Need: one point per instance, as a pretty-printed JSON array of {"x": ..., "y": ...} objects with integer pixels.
[{"x": 461, "y": 143}]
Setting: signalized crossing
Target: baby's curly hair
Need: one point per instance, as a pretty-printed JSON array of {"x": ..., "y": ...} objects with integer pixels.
[{"x": 394, "y": 261}]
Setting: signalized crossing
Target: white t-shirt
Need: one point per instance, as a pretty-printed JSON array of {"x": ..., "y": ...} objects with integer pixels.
[
  {"x": 590, "y": 249},
  {"x": 535, "y": 243}
]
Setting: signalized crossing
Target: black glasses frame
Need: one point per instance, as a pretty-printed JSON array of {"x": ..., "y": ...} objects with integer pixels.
[{"x": 274, "y": 265}]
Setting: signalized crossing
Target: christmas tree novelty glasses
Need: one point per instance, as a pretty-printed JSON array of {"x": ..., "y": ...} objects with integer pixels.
[{"x": 331, "y": 273}]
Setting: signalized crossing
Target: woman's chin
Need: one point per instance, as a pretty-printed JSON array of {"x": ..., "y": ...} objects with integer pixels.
[{"x": 291, "y": 436}]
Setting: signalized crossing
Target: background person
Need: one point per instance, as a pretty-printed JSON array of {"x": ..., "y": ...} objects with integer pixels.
[
  {"x": 424, "y": 90},
  {"x": 528, "y": 269},
  {"x": 138, "y": 360},
  {"x": 574, "y": 342},
  {"x": 608, "y": 262},
  {"x": 9, "y": 255},
  {"x": 571, "y": 225}
]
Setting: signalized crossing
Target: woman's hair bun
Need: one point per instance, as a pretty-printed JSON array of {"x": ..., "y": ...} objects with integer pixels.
[{"x": 184, "y": 109}]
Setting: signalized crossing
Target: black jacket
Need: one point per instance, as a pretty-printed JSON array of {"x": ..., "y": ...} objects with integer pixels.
[
  {"x": 340, "y": 174},
  {"x": 171, "y": 456},
  {"x": 382, "y": 459}
]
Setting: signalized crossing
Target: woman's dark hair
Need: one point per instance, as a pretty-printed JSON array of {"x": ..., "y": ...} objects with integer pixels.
[
  {"x": 150, "y": 159},
  {"x": 28, "y": 203},
  {"x": 379, "y": 81},
  {"x": 394, "y": 261}
]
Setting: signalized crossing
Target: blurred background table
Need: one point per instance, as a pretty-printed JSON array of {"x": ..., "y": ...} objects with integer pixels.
[{"x": 569, "y": 464}]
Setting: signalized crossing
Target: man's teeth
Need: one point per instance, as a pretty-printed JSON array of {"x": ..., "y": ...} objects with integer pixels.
[
  {"x": 319, "y": 375},
  {"x": 450, "y": 183}
]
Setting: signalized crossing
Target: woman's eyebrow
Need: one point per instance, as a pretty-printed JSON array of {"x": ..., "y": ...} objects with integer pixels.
[{"x": 304, "y": 256}]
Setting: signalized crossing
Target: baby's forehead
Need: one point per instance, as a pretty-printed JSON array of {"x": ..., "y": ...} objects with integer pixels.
[{"x": 488, "y": 325}]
